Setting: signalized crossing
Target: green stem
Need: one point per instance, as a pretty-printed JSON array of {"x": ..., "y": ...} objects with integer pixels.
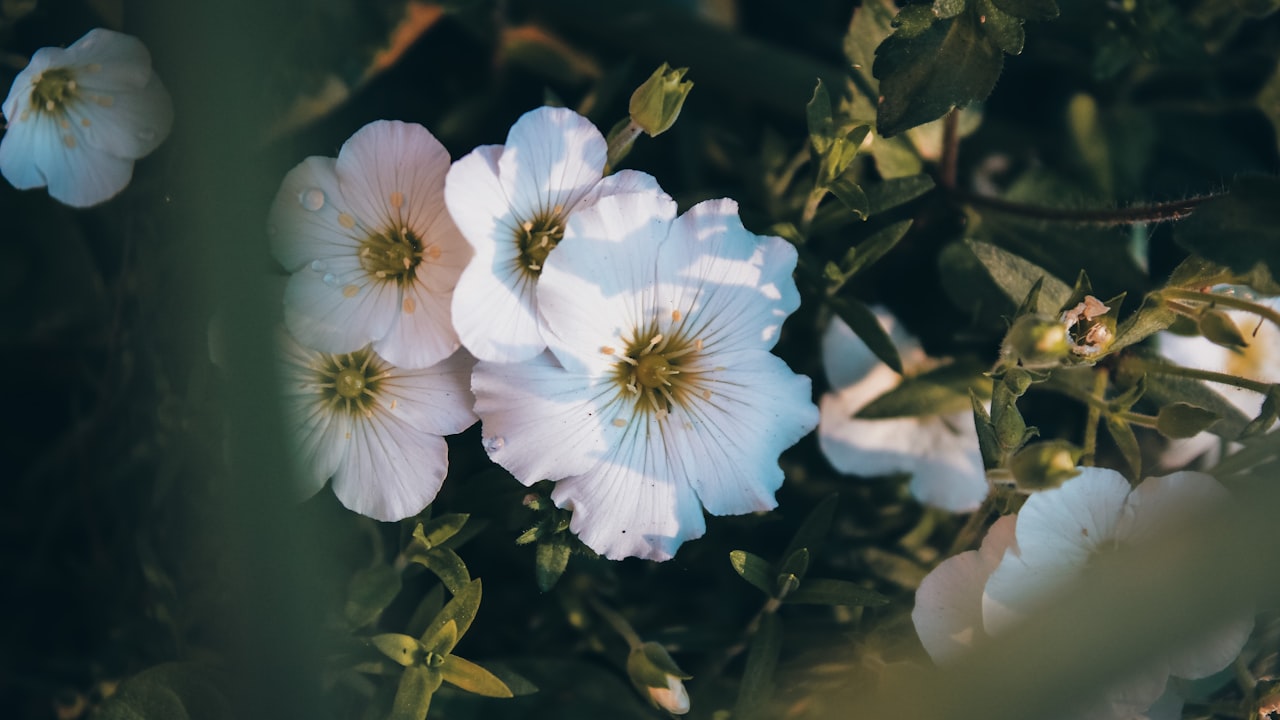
[
  {"x": 1094, "y": 417},
  {"x": 950, "y": 150},
  {"x": 616, "y": 621},
  {"x": 1135, "y": 215},
  {"x": 811, "y": 209},
  {"x": 1156, "y": 367},
  {"x": 1224, "y": 300},
  {"x": 1134, "y": 418},
  {"x": 974, "y": 525}
]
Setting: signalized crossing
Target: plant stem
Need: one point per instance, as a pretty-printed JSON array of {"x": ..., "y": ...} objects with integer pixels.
[
  {"x": 1095, "y": 415},
  {"x": 976, "y": 522},
  {"x": 1160, "y": 368},
  {"x": 616, "y": 621},
  {"x": 1161, "y": 212},
  {"x": 1225, "y": 301},
  {"x": 950, "y": 150},
  {"x": 811, "y": 209}
]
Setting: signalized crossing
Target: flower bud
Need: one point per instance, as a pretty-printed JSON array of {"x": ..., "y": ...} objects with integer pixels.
[
  {"x": 656, "y": 104},
  {"x": 1091, "y": 327},
  {"x": 1219, "y": 329},
  {"x": 1044, "y": 465},
  {"x": 658, "y": 678},
  {"x": 1037, "y": 341},
  {"x": 1184, "y": 420}
]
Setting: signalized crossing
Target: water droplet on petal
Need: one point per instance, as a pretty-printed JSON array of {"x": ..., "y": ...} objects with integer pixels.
[
  {"x": 494, "y": 444},
  {"x": 319, "y": 265},
  {"x": 311, "y": 198},
  {"x": 330, "y": 279}
]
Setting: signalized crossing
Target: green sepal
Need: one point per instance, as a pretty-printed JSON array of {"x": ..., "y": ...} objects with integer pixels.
[
  {"x": 1127, "y": 442},
  {"x": 552, "y": 557},
  {"x": 988, "y": 444},
  {"x": 1184, "y": 420},
  {"x": 656, "y": 104},
  {"x": 473, "y": 678}
]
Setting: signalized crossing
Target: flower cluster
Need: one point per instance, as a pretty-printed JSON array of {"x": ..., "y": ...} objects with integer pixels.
[
  {"x": 624, "y": 351},
  {"x": 1027, "y": 558}
]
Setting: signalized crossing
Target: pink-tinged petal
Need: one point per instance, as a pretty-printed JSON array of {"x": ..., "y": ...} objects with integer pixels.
[
  {"x": 1132, "y": 697},
  {"x": 540, "y": 421},
  {"x": 948, "y": 609},
  {"x": 1215, "y": 650},
  {"x": 632, "y": 504},
  {"x": 726, "y": 440},
  {"x": 127, "y": 124},
  {"x": 421, "y": 333},
  {"x": 392, "y": 470},
  {"x": 733, "y": 289},
  {"x": 848, "y": 360},
  {"x": 336, "y": 308},
  {"x": 478, "y": 204},
  {"x": 495, "y": 312},
  {"x": 393, "y": 174},
  {"x": 1169, "y": 504},
  {"x": 552, "y": 159},
  {"x": 307, "y": 221},
  {"x": 435, "y": 399},
  {"x": 598, "y": 284}
]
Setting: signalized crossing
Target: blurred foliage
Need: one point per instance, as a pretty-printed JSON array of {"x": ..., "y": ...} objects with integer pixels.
[{"x": 1125, "y": 150}]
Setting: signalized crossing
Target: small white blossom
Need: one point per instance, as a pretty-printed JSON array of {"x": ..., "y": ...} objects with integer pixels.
[
  {"x": 79, "y": 117},
  {"x": 512, "y": 202},
  {"x": 376, "y": 429},
  {"x": 373, "y": 252},
  {"x": 659, "y": 395},
  {"x": 939, "y": 451}
]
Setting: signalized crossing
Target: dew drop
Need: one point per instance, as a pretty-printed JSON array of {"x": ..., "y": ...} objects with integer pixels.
[
  {"x": 494, "y": 444},
  {"x": 319, "y": 265},
  {"x": 311, "y": 198},
  {"x": 330, "y": 279}
]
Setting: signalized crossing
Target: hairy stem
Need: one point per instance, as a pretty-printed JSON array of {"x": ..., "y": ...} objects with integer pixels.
[{"x": 1224, "y": 300}]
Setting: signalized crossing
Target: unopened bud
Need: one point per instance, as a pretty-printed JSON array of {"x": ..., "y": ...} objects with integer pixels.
[
  {"x": 1045, "y": 465},
  {"x": 658, "y": 678},
  {"x": 1037, "y": 341},
  {"x": 656, "y": 104},
  {"x": 1219, "y": 329},
  {"x": 1183, "y": 420}
]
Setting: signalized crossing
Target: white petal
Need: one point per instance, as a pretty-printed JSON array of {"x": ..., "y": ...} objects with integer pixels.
[
  {"x": 436, "y": 399},
  {"x": 109, "y": 60},
  {"x": 303, "y": 224},
  {"x": 633, "y": 503},
  {"x": 478, "y": 203},
  {"x": 948, "y": 471},
  {"x": 134, "y": 123},
  {"x": 621, "y": 183},
  {"x": 19, "y": 95},
  {"x": 495, "y": 311},
  {"x": 948, "y": 609},
  {"x": 727, "y": 441},
  {"x": 22, "y": 152},
  {"x": 732, "y": 288},
  {"x": 392, "y": 471},
  {"x": 1220, "y": 645},
  {"x": 319, "y": 438},
  {"x": 337, "y": 309},
  {"x": 552, "y": 159},
  {"x": 1170, "y": 503},
  {"x": 38, "y": 152},
  {"x": 1057, "y": 532},
  {"x": 1167, "y": 707},
  {"x": 598, "y": 284},
  {"x": 393, "y": 174},
  {"x": 848, "y": 360},
  {"x": 542, "y": 422},
  {"x": 421, "y": 333}
]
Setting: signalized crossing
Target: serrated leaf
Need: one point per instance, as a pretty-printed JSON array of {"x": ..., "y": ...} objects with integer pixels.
[
  {"x": 814, "y": 529},
  {"x": 1029, "y": 9},
  {"x": 754, "y": 569},
  {"x": 1184, "y": 420},
  {"x": 552, "y": 559},
  {"x": 896, "y": 191},
  {"x": 1238, "y": 229},
  {"x": 757, "y": 684},
  {"x": 1127, "y": 442},
  {"x": 1003, "y": 29},
  {"x": 1015, "y": 276},
  {"x": 864, "y": 324},
  {"x": 876, "y": 246},
  {"x": 460, "y": 611},
  {"x": 413, "y": 695},
  {"x": 950, "y": 64},
  {"x": 941, "y": 391},
  {"x": 822, "y": 591},
  {"x": 401, "y": 649},
  {"x": 370, "y": 591},
  {"x": 848, "y": 192},
  {"x": 473, "y": 678}
]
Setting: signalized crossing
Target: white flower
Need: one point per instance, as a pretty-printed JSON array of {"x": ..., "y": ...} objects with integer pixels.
[
  {"x": 659, "y": 394},
  {"x": 376, "y": 429},
  {"x": 512, "y": 202},
  {"x": 673, "y": 698},
  {"x": 940, "y": 451},
  {"x": 80, "y": 116},
  {"x": 373, "y": 252}
]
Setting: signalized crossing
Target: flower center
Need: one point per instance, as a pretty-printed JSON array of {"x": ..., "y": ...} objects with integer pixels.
[
  {"x": 536, "y": 238},
  {"x": 655, "y": 370},
  {"x": 53, "y": 90},
  {"x": 350, "y": 382},
  {"x": 391, "y": 255},
  {"x": 1249, "y": 361}
]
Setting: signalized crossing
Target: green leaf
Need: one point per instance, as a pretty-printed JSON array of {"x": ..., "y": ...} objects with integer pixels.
[
  {"x": 1184, "y": 420},
  {"x": 791, "y": 572},
  {"x": 1165, "y": 389},
  {"x": 950, "y": 64},
  {"x": 897, "y": 191},
  {"x": 848, "y": 192},
  {"x": 875, "y": 247},
  {"x": 460, "y": 611},
  {"x": 941, "y": 391},
  {"x": 864, "y": 324},
  {"x": 399, "y": 648},
  {"x": 552, "y": 559},
  {"x": 1016, "y": 276},
  {"x": 439, "y": 529},
  {"x": 413, "y": 696},
  {"x": 988, "y": 444},
  {"x": 754, "y": 569},
  {"x": 172, "y": 691},
  {"x": 814, "y": 529},
  {"x": 370, "y": 591},
  {"x": 948, "y": 8},
  {"x": 1003, "y": 29},
  {"x": 818, "y": 116},
  {"x": 427, "y": 609},
  {"x": 1150, "y": 319},
  {"x": 445, "y": 563},
  {"x": 1029, "y": 9},
  {"x": 821, "y": 591},
  {"x": 1238, "y": 229},
  {"x": 1127, "y": 442},
  {"x": 473, "y": 678},
  {"x": 757, "y": 684},
  {"x": 1267, "y": 417},
  {"x": 518, "y": 684}
]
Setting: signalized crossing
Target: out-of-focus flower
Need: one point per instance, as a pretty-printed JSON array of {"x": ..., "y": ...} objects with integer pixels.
[
  {"x": 657, "y": 677},
  {"x": 512, "y": 203},
  {"x": 659, "y": 394},
  {"x": 79, "y": 117},
  {"x": 940, "y": 451},
  {"x": 373, "y": 252},
  {"x": 376, "y": 429}
]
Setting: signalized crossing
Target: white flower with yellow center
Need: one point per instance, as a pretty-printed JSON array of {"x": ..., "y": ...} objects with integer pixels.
[
  {"x": 373, "y": 251},
  {"x": 659, "y": 395},
  {"x": 512, "y": 202},
  {"x": 79, "y": 117},
  {"x": 376, "y": 429},
  {"x": 939, "y": 451}
]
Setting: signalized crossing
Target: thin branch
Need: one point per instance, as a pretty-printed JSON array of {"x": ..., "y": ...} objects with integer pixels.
[
  {"x": 950, "y": 150},
  {"x": 1135, "y": 215}
]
